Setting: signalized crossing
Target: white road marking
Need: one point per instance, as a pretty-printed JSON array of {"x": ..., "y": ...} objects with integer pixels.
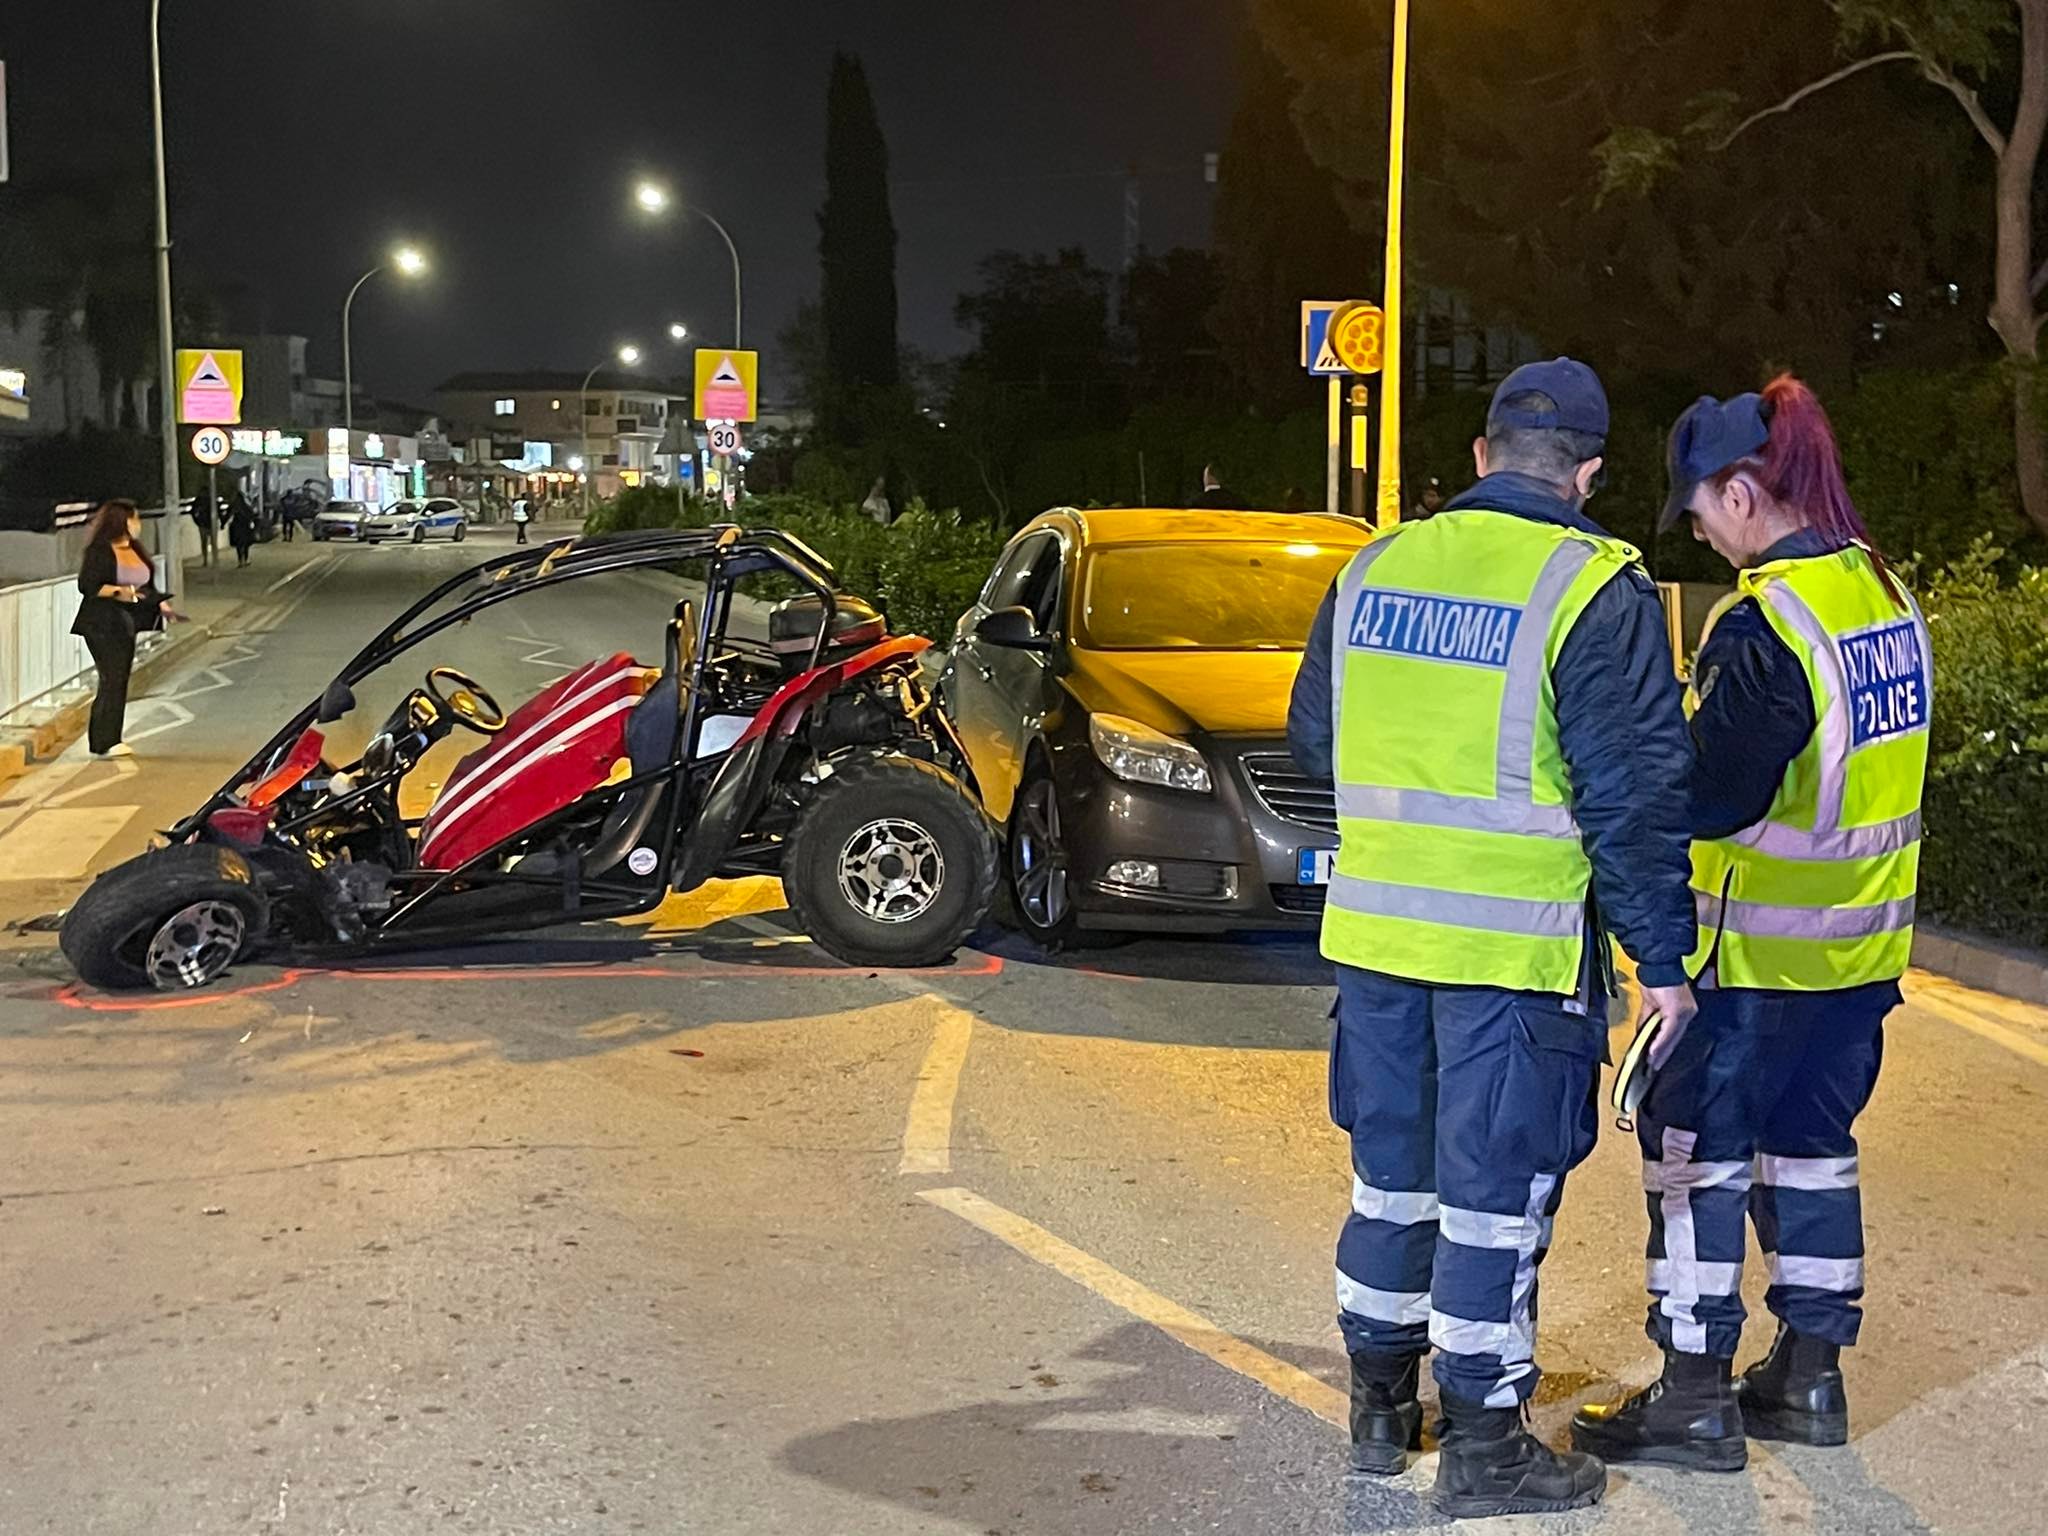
[
  {"x": 928, "y": 1133},
  {"x": 61, "y": 844},
  {"x": 124, "y": 768},
  {"x": 1169, "y": 1317},
  {"x": 293, "y": 576}
]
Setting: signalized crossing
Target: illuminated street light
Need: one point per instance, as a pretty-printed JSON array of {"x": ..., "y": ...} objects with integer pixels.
[
  {"x": 654, "y": 198},
  {"x": 410, "y": 263},
  {"x": 678, "y": 331},
  {"x": 628, "y": 355}
]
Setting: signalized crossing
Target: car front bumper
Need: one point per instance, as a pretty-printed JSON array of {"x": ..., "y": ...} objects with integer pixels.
[{"x": 1230, "y": 859}]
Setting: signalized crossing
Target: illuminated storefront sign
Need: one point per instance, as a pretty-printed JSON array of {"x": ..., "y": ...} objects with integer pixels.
[
  {"x": 373, "y": 447},
  {"x": 14, "y": 393},
  {"x": 272, "y": 444}
]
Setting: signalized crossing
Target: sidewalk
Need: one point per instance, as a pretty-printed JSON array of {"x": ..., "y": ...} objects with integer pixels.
[{"x": 212, "y": 597}]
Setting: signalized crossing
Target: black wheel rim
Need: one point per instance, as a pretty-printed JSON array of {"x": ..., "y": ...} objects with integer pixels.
[{"x": 1040, "y": 860}]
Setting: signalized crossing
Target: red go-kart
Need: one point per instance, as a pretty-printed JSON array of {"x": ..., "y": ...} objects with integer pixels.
[{"x": 817, "y": 754}]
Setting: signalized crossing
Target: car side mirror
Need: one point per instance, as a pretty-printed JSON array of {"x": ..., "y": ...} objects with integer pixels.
[
  {"x": 1014, "y": 629},
  {"x": 337, "y": 701}
]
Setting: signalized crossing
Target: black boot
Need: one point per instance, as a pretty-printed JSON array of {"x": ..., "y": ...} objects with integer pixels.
[
  {"x": 1795, "y": 1392},
  {"x": 1386, "y": 1419},
  {"x": 1688, "y": 1417},
  {"x": 1489, "y": 1465}
]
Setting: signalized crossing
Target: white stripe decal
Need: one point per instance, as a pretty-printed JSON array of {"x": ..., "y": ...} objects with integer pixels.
[
  {"x": 1711, "y": 1279},
  {"x": 1362, "y": 1300},
  {"x": 1681, "y": 1253},
  {"x": 1666, "y": 1176},
  {"x": 1463, "y": 1336},
  {"x": 1807, "y": 1172},
  {"x": 1815, "y": 1274},
  {"x": 463, "y": 785},
  {"x": 442, "y": 825},
  {"x": 1486, "y": 1229},
  {"x": 1405, "y": 1207}
]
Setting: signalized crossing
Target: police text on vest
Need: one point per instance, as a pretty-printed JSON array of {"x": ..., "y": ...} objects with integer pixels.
[
  {"x": 1887, "y": 674},
  {"x": 1434, "y": 628}
]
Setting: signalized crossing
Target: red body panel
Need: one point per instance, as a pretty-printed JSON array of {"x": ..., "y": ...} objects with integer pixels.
[
  {"x": 785, "y": 708},
  {"x": 555, "y": 748}
]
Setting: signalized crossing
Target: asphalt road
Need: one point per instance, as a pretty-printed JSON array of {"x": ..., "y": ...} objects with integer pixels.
[{"x": 679, "y": 1226}]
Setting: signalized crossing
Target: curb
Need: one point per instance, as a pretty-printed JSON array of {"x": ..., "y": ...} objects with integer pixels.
[{"x": 1976, "y": 962}]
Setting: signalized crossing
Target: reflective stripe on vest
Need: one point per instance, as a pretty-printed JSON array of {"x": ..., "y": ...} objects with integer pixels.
[
  {"x": 1443, "y": 881},
  {"x": 1820, "y": 894}
]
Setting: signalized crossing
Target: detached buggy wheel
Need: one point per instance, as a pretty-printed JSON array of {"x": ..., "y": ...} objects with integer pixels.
[
  {"x": 892, "y": 863},
  {"x": 173, "y": 918}
]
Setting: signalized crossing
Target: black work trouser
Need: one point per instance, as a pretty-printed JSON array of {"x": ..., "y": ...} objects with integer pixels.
[{"x": 113, "y": 656}]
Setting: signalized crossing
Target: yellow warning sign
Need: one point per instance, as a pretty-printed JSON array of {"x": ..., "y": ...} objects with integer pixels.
[
  {"x": 727, "y": 384},
  {"x": 209, "y": 387}
]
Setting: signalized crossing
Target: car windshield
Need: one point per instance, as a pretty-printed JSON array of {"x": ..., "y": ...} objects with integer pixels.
[
  {"x": 1230, "y": 596},
  {"x": 347, "y": 509},
  {"x": 400, "y": 509}
]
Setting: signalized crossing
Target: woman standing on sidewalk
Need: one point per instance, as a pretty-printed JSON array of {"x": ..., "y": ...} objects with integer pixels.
[{"x": 121, "y": 600}]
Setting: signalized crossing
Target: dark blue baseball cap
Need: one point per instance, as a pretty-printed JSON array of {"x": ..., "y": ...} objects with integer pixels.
[
  {"x": 1581, "y": 402},
  {"x": 1711, "y": 435}
]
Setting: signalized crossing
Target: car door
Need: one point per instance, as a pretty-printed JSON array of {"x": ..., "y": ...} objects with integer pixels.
[{"x": 997, "y": 694}]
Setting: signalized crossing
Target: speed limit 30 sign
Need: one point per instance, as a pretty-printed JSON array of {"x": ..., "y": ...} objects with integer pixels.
[
  {"x": 210, "y": 445},
  {"x": 724, "y": 438}
]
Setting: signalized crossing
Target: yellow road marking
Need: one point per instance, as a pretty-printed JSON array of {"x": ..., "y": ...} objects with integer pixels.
[
  {"x": 1147, "y": 1305},
  {"x": 928, "y": 1133},
  {"x": 1977, "y": 1024}
]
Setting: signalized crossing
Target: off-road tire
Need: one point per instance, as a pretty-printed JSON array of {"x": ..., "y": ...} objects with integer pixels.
[
  {"x": 106, "y": 933},
  {"x": 913, "y": 791}
]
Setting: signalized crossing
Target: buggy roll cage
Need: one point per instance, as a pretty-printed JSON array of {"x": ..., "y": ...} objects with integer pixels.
[{"x": 732, "y": 552}]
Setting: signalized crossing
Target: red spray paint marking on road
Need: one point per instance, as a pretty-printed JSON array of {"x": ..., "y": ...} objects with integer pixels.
[{"x": 77, "y": 997}]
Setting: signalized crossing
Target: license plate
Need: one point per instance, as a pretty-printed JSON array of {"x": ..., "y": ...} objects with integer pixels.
[{"x": 1316, "y": 866}]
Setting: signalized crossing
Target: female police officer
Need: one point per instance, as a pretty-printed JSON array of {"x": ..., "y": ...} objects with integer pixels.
[{"x": 1810, "y": 711}]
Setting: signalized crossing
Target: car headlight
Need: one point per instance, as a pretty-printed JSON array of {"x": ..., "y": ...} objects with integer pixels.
[{"x": 1144, "y": 756}]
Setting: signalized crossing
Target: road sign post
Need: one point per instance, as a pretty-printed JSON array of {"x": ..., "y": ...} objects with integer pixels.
[{"x": 1339, "y": 338}]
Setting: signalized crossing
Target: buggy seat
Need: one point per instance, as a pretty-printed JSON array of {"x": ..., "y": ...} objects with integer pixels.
[{"x": 555, "y": 748}]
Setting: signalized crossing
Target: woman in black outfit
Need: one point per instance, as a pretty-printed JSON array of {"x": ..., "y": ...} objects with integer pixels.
[{"x": 121, "y": 600}]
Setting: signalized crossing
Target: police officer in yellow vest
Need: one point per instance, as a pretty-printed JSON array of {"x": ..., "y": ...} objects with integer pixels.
[
  {"x": 1810, "y": 708},
  {"x": 1493, "y": 693}
]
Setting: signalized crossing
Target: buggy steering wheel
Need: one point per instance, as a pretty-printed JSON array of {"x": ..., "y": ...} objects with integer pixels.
[{"x": 467, "y": 700}]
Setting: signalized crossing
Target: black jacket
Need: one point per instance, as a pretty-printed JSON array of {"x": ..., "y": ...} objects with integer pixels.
[{"x": 108, "y": 616}]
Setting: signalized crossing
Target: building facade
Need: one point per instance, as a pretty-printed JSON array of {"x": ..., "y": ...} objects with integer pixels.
[{"x": 609, "y": 436}]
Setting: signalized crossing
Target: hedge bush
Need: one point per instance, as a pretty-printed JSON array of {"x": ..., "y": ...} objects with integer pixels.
[
  {"x": 923, "y": 570},
  {"x": 1984, "y": 861}
]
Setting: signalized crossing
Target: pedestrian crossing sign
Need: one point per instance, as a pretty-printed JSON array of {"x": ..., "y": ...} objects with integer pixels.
[
  {"x": 209, "y": 387},
  {"x": 727, "y": 384},
  {"x": 1319, "y": 353}
]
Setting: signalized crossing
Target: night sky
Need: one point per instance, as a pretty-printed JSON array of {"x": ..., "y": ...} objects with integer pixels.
[{"x": 505, "y": 136}]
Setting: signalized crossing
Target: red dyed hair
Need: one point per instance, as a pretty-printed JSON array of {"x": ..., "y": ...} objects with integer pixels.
[{"x": 1800, "y": 469}]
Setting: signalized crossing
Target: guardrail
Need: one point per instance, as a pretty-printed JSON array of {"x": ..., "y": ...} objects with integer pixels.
[{"x": 39, "y": 656}]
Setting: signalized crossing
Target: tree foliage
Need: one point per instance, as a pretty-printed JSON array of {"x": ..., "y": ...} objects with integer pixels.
[{"x": 856, "y": 251}]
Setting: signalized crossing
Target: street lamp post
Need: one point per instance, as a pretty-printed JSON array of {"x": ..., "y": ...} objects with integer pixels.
[
  {"x": 629, "y": 355},
  {"x": 654, "y": 198},
  {"x": 169, "y": 533},
  {"x": 1389, "y": 508},
  {"x": 408, "y": 261}
]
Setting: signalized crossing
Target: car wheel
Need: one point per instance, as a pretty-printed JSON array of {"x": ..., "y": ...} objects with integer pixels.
[
  {"x": 891, "y": 863},
  {"x": 461, "y": 532},
  {"x": 419, "y": 533},
  {"x": 1039, "y": 880},
  {"x": 173, "y": 918}
]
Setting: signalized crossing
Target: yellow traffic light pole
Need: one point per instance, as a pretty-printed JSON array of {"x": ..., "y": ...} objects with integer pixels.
[{"x": 1389, "y": 509}]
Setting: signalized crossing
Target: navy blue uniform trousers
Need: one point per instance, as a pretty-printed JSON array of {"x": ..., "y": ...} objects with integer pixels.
[
  {"x": 1466, "y": 1108},
  {"x": 1754, "y": 1112}
]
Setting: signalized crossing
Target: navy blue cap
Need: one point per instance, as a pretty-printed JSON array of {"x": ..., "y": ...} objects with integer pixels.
[
  {"x": 1711, "y": 435},
  {"x": 1581, "y": 402}
]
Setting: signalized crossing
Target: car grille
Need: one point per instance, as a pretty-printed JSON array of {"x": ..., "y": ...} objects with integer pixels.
[
  {"x": 1307, "y": 899},
  {"x": 1291, "y": 794}
]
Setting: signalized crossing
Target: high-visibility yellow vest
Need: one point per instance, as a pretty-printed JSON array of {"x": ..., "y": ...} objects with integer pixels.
[
  {"x": 1820, "y": 894},
  {"x": 1460, "y": 860}
]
